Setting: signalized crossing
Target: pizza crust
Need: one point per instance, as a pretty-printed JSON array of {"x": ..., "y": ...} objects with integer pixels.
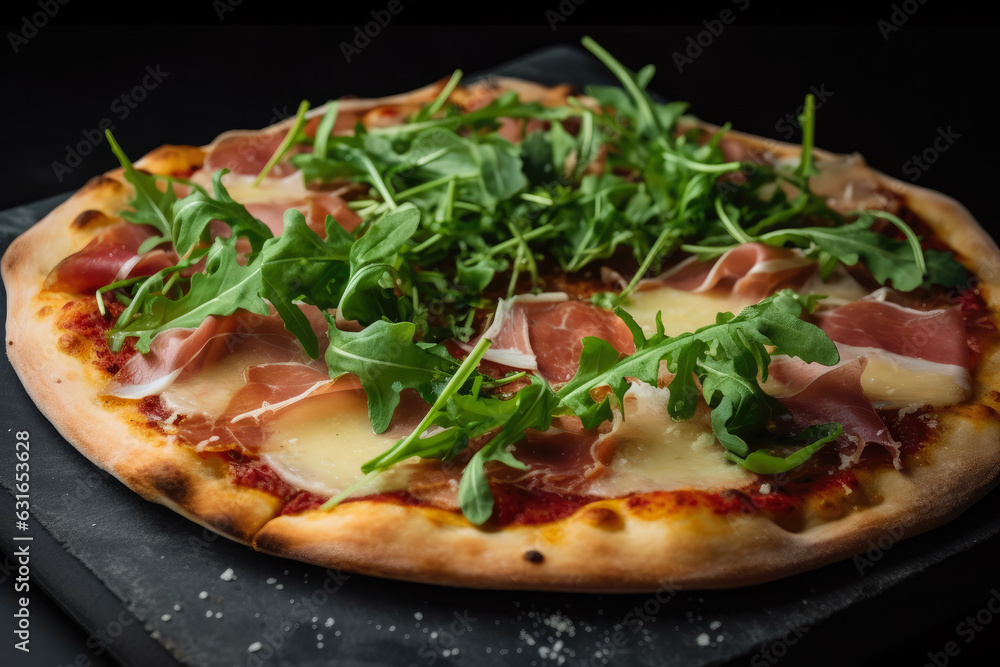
[{"x": 610, "y": 545}]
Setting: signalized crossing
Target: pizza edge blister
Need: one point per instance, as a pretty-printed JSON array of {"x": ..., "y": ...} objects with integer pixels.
[{"x": 608, "y": 545}]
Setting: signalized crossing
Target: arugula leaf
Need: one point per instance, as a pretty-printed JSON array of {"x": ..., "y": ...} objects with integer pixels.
[
  {"x": 290, "y": 139},
  {"x": 463, "y": 412},
  {"x": 807, "y": 121},
  {"x": 325, "y": 128},
  {"x": 221, "y": 289},
  {"x": 373, "y": 256},
  {"x": 386, "y": 359},
  {"x": 531, "y": 407},
  {"x": 299, "y": 265},
  {"x": 766, "y": 462},
  {"x": 152, "y": 205},
  {"x": 726, "y": 357},
  {"x": 943, "y": 269},
  {"x": 192, "y": 214},
  {"x": 886, "y": 258}
]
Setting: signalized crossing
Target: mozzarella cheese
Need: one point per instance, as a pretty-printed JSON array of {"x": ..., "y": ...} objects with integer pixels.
[
  {"x": 894, "y": 381},
  {"x": 682, "y": 311},
  {"x": 320, "y": 443},
  {"x": 654, "y": 452},
  {"x": 210, "y": 389}
]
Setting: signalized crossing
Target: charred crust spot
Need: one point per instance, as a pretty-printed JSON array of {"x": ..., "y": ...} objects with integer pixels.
[
  {"x": 994, "y": 395},
  {"x": 533, "y": 556},
  {"x": 90, "y": 219},
  {"x": 603, "y": 517},
  {"x": 103, "y": 183},
  {"x": 10, "y": 343},
  {"x": 172, "y": 483}
]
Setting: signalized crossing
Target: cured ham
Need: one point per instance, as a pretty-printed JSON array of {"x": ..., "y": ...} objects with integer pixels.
[
  {"x": 315, "y": 208},
  {"x": 891, "y": 357},
  {"x": 169, "y": 354},
  {"x": 837, "y": 396},
  {"x": 191, "y": 351},
  {"x": 751, "y": 270},
  {"x": 906, "y": 346},
  {"x": 248, "y": 153},
  {"x": 557, "y": 461},
  {"x": 545, "y": 333},
  {"x": 937, "y": 336},
  {"x": 110, "y": 256}
]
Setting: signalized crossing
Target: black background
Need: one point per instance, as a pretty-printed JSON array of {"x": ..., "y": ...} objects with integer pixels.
[{"x": 885, "y": 92}]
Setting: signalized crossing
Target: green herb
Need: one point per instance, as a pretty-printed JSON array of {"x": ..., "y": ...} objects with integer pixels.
[
  {"x": 725, "y": 358},
  {"x": 386, "y": 360},
  {"x": 766, "y": 462},
  {"x": 291, "y": 138},
  {"x": 192, "y": 215},
  {"x": 221, "y": 289},
  {"x": 152, "y": 205}
]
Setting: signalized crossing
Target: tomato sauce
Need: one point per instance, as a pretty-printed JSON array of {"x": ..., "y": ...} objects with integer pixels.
[{"x": 84, "y": 319}]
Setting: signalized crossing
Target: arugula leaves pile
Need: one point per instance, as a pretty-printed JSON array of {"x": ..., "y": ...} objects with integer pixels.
[{"x": 452, "y": 209}]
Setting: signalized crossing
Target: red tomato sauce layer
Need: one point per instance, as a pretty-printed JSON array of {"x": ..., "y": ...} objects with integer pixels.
[{"x": 82, "y": 318}]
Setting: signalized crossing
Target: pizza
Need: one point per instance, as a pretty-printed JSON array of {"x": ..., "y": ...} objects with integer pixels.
[{"x": 503, "y": 335}]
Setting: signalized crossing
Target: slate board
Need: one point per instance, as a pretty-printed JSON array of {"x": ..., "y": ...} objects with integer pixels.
[{"x": 148, "y": 583}]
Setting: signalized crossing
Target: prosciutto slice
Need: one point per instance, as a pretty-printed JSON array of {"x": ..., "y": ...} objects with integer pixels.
[
  {"x": 169, "y": 354},
  {"x": 269, "y": 389},
  {"x": 111, "y": 255},
  {"x": 545, "y": 333},
  {"x": 750, "y": 270},
  {"x": 926, "y": 343},
  {"x": 837, "y": 396},
  {"x": 248, "y": 152},
  {"x": 186, "y": 351},
  {"x": 315, "y": 208},
  {"x": 937, "y": 335}
]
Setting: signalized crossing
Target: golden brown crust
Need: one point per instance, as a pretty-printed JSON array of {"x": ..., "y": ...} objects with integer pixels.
[{"x": 610, "y": 545}]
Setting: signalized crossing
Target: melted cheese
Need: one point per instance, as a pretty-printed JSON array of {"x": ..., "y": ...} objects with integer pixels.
[
  {"x": 320, "y": 444},
  {"x": 893, "y": 381},
  {"x": 686, "y": 311},
  {"x": 682, "y": 311},
  {"x": 656, "y": 453},
  {"x": 210, "y": 389}
]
